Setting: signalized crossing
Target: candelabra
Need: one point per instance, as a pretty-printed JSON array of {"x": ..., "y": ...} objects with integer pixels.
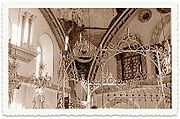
[{"x": 40, "y": 83}]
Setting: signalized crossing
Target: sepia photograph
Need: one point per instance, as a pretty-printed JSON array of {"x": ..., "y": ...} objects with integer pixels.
[{"x": 89, "y": 58}]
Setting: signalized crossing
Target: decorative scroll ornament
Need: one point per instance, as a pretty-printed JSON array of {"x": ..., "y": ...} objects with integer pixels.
[
  {"x": 129, "y": 42},
  {"x": 165, "y": 58},
  {"x": 132, "y": 39},
  {"x": 108, "y": 78}
]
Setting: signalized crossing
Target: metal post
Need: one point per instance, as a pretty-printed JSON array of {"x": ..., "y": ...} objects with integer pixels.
[
  {"x": 63, "y": 81},
  {"x": 102, "y": 88},
  {"x": 88, "y": 95},
  {"x": 102, "y": 78},
  {"x": 160, "y": 75}
]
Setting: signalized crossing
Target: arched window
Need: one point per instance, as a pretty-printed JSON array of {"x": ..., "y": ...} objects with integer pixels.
[
  {"x": 38, "y": 60},
  {"x": 47, "y": 53}
]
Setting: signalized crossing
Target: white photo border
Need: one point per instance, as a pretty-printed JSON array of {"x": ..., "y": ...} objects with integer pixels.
[{"x": 94, "y": 4}]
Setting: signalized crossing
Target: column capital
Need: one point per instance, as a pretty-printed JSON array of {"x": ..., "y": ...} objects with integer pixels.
[
  {"x": 27, "y": 14},
  {"x": 33, "y": 17}
]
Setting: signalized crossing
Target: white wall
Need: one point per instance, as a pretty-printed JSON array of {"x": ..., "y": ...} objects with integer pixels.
[{"x": 41, "y": 27}]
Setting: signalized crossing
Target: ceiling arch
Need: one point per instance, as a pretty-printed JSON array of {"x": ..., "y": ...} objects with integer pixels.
[
  {"x": 107, "y": 30},
  {"x": 55, "y": 26},
  {"x": 110, "y": 33}
]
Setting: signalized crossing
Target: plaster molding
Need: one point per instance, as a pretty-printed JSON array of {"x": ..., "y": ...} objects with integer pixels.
[{"x": 22, "y": 54}]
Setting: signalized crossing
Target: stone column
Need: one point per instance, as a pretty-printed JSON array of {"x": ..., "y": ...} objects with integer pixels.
[
  {"x": 25, "y": 27},
  {"x": 31, "y": 31}
]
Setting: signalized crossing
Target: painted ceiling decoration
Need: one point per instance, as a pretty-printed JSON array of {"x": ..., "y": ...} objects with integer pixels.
[
  {"x": 164, "y": 10},
  {"x": 73, "y": 22},
  {"x": 165, "y": 21},
  {"x": 145, "y": 15}
]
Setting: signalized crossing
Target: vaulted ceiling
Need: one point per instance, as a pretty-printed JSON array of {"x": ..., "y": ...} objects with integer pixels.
[
  {"x": 95, "y": 25},
  {"x": 92, "y": 23}
]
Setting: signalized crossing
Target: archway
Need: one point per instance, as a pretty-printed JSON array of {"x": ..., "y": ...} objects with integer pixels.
[{"x": 47, "y": 53}]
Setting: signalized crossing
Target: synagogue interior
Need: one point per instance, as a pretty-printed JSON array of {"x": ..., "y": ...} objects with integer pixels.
[{"x": 89, "y": 58}]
